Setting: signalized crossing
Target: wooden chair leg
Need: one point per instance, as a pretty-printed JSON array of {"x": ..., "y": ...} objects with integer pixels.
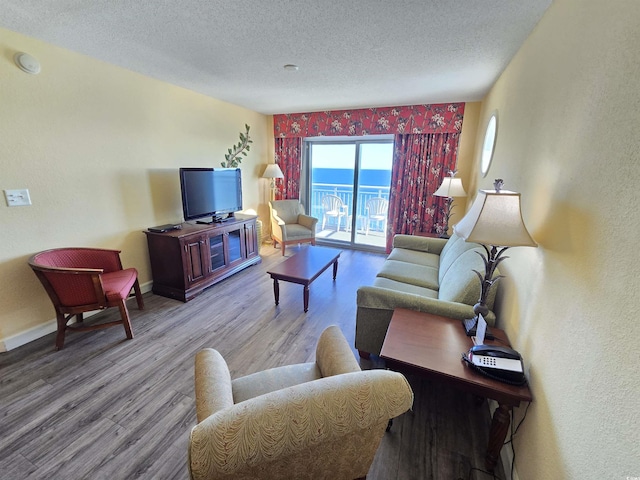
[
  {"x": 124, "y": 313},
  {"x": 62, "y": 326},
  {"x": 283, "y": 247},
  {"x": 136, "y": 289}
]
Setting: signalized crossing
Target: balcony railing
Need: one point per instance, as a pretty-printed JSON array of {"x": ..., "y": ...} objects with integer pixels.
[{"x": 345, "y": 192}]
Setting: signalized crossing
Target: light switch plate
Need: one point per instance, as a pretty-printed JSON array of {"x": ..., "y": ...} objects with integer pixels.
[{"x": 16, "y": 198}]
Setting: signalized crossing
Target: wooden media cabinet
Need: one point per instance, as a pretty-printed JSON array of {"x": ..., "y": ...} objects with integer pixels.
[{"x": 184, "y": 262}]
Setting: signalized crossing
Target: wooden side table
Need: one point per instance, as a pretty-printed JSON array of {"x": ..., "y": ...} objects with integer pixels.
[{"x": 432, "y": 346}]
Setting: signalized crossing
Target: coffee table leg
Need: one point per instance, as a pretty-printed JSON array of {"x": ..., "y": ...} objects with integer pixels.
[
  {"x": 335, "y": 269},
  {"x": 497, "y": 434},
  {"x": 276, "y": 290},
  {"x": 305, "y": 296}
]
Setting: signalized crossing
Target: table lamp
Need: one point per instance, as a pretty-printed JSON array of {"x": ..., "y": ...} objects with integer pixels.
[
  {"x": 272, "y": 171},
  {"x": 450, "y": 187},
  {"x": 495, "y": 222}
]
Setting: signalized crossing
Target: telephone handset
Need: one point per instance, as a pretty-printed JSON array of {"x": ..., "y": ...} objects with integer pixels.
[{"x": 499, "y": 363}]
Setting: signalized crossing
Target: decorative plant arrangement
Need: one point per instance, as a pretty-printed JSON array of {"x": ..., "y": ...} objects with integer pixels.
[{"x": 234, "y": 156}]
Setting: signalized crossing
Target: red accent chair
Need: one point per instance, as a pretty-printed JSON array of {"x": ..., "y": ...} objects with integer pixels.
[{"x": 85, "y": 279}]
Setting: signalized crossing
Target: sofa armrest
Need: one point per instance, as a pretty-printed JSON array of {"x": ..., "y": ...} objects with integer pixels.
[
  {"x": 212, "y": 382},
  {"x": 307, "y": 221},
  {"x": 386, "y": 299},
  {"x": 291, "y": 424},
  {"x": 422, "y": 244}
]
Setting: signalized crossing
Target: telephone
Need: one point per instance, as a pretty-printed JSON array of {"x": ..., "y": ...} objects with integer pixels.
[{"x": 499, "y": 363}]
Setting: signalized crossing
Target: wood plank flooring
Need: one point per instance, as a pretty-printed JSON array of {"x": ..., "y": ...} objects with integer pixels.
[{"x": 110, "y": 408}]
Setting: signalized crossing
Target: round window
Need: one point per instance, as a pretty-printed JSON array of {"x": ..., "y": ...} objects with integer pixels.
[{"x": 489, "y": 144}]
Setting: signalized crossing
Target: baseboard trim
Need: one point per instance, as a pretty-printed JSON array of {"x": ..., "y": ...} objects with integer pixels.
[{"x": 50, "y": 326}]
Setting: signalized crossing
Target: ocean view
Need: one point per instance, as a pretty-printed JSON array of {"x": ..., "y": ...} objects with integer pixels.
[{"x": 344, "y": 176}]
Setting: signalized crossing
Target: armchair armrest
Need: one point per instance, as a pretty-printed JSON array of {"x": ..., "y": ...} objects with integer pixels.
[
  {"x": 213, "y": 383},
  {"x": 307, "y": 221},
  {"x": 387, "y": 299},
  {"x": 289, "y": 425},
  {"x": 277, "y": 220},
  {"x": 422, "y": 244},
  {"x": 333, "y": 354}
]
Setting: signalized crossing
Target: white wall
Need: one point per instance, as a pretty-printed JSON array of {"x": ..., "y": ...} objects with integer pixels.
[
  {"x": 99, "y": 149},
  {"x": 569, "y": 141}
]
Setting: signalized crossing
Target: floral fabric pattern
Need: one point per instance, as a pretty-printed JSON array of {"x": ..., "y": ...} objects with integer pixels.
[
  {"x": 420, "y": 162},
  {"x": 437, "y": 118},
  {"x": 288, "y": 156},
  {"x": 426, "y": 148}
]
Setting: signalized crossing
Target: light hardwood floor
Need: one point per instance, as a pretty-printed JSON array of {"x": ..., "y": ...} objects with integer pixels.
[{"x": 110, "y": 408}]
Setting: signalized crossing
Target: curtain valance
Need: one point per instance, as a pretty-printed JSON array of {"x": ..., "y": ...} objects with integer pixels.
[{"x": 436, "y": 118}]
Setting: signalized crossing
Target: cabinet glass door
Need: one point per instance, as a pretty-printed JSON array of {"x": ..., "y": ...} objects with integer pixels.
[
  {"x": 216, "y": 251},
  {"x": 235, "y": 246}
]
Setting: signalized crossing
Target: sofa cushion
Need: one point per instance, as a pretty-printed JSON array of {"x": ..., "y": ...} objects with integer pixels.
[
  {"x": 414, "y": 256},
  {"x": 413, "y": 274},
  {"x": 461, "y": 284},
  {"x": 419, "y": 243},
  {"x": 404, "y": 287},
  {"x": 455, "y": 247}
]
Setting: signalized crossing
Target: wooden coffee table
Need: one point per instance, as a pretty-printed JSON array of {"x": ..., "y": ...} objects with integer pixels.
[
  {"x": 303, "y": 268},
  {"x": 432, "y": 346}
]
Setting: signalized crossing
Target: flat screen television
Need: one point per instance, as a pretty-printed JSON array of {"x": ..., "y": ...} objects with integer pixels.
[{"x": 210, "y": 192}]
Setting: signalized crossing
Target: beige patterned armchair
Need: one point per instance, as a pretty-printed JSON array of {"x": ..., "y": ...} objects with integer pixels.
[
  {"x": 290, "y": 225},
  {"x": 323, "y": 419}
]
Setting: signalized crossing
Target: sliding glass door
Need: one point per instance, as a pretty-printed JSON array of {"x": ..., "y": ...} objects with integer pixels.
[{"x": 348, "y": 187}]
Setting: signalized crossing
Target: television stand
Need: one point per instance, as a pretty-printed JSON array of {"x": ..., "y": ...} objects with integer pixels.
[{"x": 187, "y": 261}]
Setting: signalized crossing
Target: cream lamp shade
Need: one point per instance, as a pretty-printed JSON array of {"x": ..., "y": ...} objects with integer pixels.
[
  {"x": 272, "y": 171},
  {"x": 450, "y": 187},
  {"x": 495, "y": 218}
]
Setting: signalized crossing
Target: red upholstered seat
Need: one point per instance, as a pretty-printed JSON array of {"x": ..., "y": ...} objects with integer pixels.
[{"x": 84, "y": 279}]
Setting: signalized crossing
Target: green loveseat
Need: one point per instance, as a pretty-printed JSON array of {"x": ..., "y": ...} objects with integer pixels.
[{"x": 433, "y": 275}]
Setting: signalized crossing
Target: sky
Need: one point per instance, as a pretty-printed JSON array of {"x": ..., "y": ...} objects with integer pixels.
[{"x": 374, "y": 156}]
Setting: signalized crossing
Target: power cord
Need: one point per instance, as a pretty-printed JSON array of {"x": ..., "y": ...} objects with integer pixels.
[
  {"x": 513, "y": 432},
  {"x": 513, "y": 451}
]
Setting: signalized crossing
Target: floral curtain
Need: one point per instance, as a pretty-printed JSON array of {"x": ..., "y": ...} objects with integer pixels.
[
  {"x": 420, "y": 162},
  {"x": 426, "y": 148},
  {"x": 288, "y": 156},
  {"x": 437, "y": 118}
]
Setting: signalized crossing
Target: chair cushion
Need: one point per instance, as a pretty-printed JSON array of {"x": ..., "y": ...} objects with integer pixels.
[
  {"x": 117, "y": 285},
  {"x": 413, "y": 274},
  {"x": 295, "y": 231},
  {"x": 287, "y": 210},
  {"x": 251, "y": 386}
]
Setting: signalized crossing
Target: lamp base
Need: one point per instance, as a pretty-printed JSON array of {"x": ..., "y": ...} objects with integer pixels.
[{"x": 470, "y": 324}]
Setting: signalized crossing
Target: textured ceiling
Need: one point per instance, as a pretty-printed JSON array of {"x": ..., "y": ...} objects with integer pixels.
[{"x": 351, "y": 54}]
